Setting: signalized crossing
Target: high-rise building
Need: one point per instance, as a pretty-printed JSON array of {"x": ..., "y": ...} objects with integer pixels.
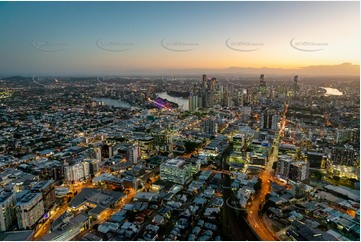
[
  {"x": 7, "y": 210},
  {"x": 146, "y": 145},
  {"x": 262, "y": 82},
  {"x": 48, "y": 192},
  {"x": 29, "y": 210},
  {"x": 133, "y": 153},
  {"x": 293, "y": 170},
  {"x": 298, "y": 171},
  {"x": 204, "y": 82},
  {"x": 204, "y": 99},
  {"x": 176, "y": 170},
  {"x": 210, "y": 99},
  {"x": 210, "y": 126},
  {"x": 78, "y": 171},
  {"x": 93, "y": 166},
  {"x": 193, "y": 102},
  {"x": 283, "y": 166},
  {"x": 295, "y": 85},
  {"x": 269, "y": 120},
  {"x": 107, "y": 151},
  {"x": 212, "y": 84}
]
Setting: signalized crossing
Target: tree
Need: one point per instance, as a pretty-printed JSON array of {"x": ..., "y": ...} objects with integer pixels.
[
  {"x": 191, "y": 146},
  {"x": 258, "y": 185}
]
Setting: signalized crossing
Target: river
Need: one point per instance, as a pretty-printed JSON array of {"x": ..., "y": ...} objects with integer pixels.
[
  {"x": 332, "y": 91},
  {"x": 182, "y": 102}
]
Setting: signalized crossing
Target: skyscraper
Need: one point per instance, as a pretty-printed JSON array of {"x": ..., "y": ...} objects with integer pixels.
[
  {"x": 269, "y": 120},
  {"x": 262, "y": 82},
  {"x": 193, "y": 101},
  {"x": 204, "y": 82},
  {"x": 210, "y": 126},
  {"x": 295, "y": 85}
]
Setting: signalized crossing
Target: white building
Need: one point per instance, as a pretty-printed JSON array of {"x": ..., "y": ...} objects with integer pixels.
[
  {"x": 77, "y": 172},
  {"x": 29, "y": 210}
]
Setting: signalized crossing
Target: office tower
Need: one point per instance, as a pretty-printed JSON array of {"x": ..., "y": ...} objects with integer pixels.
[
  {"x": 262, "y": 82},
  {"x": 7, "y": 210},
  {"x": 46, "y": 188},
  {"x": 295, "y": 85},
  {"x": 269, "y": 120},
  {"x": 176, "y": 170},
  {"x": 204, "y": 82},
  {"x": 213, "y": 84},
  {"x": 133, "y": 154},
  {"x": 204, "y": 99},
  {"x": 29, "y": 210},
  {"x": 210, "y": 126},
  {"x": 193, "y": 102}
]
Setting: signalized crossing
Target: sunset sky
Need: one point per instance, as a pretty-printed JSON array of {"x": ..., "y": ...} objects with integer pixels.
[{"x": 79, "y": 37}]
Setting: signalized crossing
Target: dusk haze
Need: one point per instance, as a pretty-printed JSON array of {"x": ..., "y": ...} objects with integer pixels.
[{"x": 180, "y": 121}]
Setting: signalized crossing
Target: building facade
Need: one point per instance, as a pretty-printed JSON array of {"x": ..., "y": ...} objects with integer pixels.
[
  {"x": 47, "y": 189},
  {"x": 7, "y": 210},
  {"x": 29, "y": 210},
  {"x": 176, "y": 170}
]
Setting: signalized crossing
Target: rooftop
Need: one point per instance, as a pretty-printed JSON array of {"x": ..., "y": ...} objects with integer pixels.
[
  {"x": 28, "y": 198},
  {"x": 175, "y": 162},
  {"x": 100, "y": 197}
]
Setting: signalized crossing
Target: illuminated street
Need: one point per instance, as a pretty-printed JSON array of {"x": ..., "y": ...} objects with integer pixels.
[
  {"x": 45, "y": 227},
  {"x": 267, "y": 177}
]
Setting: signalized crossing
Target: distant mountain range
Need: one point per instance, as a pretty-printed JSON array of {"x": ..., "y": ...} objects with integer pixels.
[{"x": 345, "y": 69}]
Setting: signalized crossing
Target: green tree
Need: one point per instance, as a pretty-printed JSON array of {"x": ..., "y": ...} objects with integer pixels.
[{"x": 191, "y": 146}]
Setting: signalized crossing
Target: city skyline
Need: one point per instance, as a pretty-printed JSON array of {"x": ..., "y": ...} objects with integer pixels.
[{"x": 79, "y": 38}]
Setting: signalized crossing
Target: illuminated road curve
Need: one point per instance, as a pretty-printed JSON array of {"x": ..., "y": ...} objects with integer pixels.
[{"x": 267, "y": 178}]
